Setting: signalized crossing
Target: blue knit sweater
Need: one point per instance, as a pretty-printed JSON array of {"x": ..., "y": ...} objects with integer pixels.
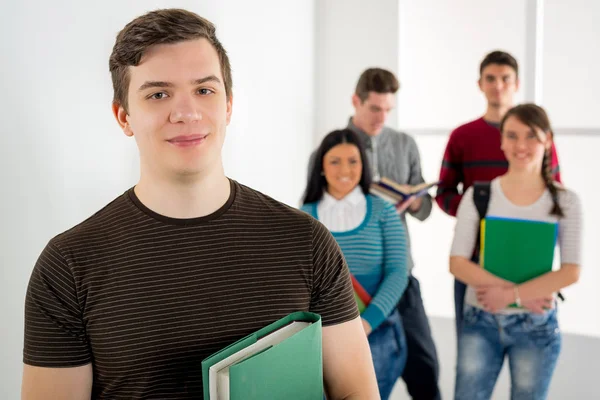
[{"x": 376, "y": 253}]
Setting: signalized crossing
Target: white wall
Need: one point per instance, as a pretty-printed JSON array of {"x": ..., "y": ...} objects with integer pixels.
[
  {"x": 351, "y": 36},
  {"x": 63, "y": 156},
  {"x": 442, "y": 44},
  {"x": 571, "y": 59}
]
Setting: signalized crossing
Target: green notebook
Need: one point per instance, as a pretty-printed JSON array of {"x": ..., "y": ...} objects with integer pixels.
[
  {"x": 280, "y": 361},
  {"x": 517, "y": 250}
]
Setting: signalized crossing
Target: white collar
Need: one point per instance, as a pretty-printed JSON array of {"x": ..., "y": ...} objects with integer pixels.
[{"x": 354, "y": 198}]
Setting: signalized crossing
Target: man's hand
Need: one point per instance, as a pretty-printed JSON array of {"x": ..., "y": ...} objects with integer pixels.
[
  {"x": 413, "y": 203},
  {"x": 416, "y": 204},
  {"x": 366, "y": 326}
]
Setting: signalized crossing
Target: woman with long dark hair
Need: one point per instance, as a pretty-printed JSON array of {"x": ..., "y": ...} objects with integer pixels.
[{"x": 373, "y": 240}]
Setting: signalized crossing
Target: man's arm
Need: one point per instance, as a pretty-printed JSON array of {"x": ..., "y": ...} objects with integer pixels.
[
  {"x": 448, "y": 197},
  {"x": 424, "y": 204},
  {"x": 57, "y": 383},
  {"x": 347, "y": 364},
  {"x": 56, "y": 352}
]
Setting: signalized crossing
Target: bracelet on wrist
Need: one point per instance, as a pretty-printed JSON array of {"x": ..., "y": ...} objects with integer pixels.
[{"x": 517, "y": 297}]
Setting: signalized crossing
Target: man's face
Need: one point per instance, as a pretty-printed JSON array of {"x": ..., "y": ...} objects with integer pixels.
[
  {"x": 370, "y": 115},
  {"x": 499, "y": 84},
  {"x": 178, "y": 110}
]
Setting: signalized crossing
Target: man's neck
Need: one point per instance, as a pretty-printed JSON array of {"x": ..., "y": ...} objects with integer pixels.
[
  {"x": 359, "y": 126},
  {"x": 187, "y": 197},
  {"x": 494, "y": 114}
]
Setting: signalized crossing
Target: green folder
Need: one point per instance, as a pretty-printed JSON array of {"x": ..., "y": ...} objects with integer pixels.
[
  {"x": 517, "y": 250},
  {"x": 292, "y": 368}
]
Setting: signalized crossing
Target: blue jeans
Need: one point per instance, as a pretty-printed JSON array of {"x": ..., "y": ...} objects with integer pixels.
[
  {"x": 531, "y": 341},
  {"x": 388, "y": 349}
]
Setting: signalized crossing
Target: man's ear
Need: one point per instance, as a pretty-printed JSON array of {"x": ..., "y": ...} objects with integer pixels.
[
  {"x": 229, "y": 108},
  {"x": 122, "y": 118},
  {"x": 356, "y": 100}
]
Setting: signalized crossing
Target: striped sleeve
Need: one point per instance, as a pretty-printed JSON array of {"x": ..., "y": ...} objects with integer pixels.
[
  {"x": 332, "y": 294},
  {"x": 395, "y": 271},
  {"x": 448, "y": 197},
  {"x": 569, "y": 229},
  {"x": 54, "y": 328}
]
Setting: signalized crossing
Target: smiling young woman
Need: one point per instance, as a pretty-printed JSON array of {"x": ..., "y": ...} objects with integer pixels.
[
  {"x": 491, "y": 330},
  {"x": 373, "y": 240}
]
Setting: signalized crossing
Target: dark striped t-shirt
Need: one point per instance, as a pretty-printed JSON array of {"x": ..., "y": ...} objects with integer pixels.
[{"x": 145, "y": 298}]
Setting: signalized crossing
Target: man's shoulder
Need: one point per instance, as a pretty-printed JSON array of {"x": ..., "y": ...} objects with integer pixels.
[
  {"x": 89, "y": 230},
  {"x": 469, "y": 127},
  {"x": 398, "y": 137},
  {"x": 395, "y": 133},
  {"x": 264, "y": 205}
]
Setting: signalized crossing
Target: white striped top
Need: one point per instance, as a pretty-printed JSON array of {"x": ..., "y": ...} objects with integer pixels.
[{"x": 569, "y": 227}]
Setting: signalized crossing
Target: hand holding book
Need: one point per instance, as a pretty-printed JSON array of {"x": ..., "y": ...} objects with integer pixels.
[{"x": 402, "y": 196}]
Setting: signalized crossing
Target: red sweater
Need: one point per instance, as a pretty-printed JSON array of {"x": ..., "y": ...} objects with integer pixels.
[{"x": 473, "y": 154}]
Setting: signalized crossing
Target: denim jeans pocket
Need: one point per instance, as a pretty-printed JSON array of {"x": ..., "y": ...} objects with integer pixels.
[
  {"x": 542, "y": 328},
  {"x": 471, "y": 315}
]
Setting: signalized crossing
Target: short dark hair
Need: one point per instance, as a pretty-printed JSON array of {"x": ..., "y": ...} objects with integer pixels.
[
  {"x": 317, "y": 184},
  {"x": 376, "y": 80},
  {"x": 167, "y": 26},
  {"x": 501, "y": 58}
]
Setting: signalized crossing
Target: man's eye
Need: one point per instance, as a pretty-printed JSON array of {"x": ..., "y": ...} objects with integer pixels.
[
  {"x": 158, "y": 96},
  {"x": 204, "y": 92}
]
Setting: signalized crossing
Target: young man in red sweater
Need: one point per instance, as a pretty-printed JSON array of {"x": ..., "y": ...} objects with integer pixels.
[{"x": 473, "y": 151}]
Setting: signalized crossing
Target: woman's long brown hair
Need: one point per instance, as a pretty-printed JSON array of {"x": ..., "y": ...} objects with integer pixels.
[{"x": 536, "y": 118}]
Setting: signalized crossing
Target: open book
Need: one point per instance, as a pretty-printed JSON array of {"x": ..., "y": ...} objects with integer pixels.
[
  {"x": 282, "y": 360},
  {"x": 395, "y": 193}
]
